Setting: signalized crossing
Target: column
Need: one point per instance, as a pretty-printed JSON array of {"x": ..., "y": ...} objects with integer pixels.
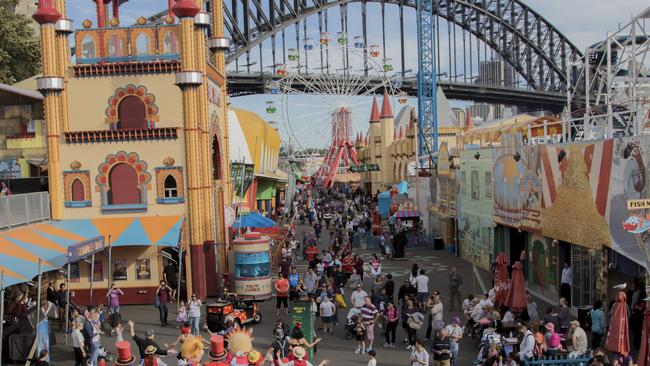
[
  {"x": 189, "y": 80},
  {"x": 51, "y": 85},
  {"x": 63, "y": 28}
]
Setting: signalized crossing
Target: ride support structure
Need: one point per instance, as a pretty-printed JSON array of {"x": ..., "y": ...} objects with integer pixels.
[
  {"x": 427, "y": 108},
  {"x": 341, "y": 153}
]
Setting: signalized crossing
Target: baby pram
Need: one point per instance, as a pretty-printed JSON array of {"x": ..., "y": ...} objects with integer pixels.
[{"x": 351, "y": 322}]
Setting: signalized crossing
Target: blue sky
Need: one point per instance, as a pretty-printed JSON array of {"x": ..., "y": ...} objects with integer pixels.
[{"x": 583, "y": 21}]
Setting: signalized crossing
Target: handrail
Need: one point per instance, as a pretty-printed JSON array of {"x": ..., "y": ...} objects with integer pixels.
[{"x": 22, "y": 209}]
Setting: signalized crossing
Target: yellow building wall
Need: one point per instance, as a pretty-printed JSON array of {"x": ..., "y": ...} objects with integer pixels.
[
  {"x": 262, "y": 139},
  {"x": 89, "y": 99},
  {"x": 152, "y": 152},
  {"x": 35, "y": 142}
]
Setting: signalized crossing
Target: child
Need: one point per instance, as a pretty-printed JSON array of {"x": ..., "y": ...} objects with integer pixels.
[
  {"x": 78, "y": 344},
  {"x": 372, "y": 361},
  {"x": 118, "y": 332},
  {"x": 360, "y": 332},
  {"x": 182, "y": 314}
]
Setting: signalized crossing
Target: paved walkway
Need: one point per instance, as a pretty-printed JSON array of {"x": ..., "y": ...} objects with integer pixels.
[{"x": 334, "y": 347}]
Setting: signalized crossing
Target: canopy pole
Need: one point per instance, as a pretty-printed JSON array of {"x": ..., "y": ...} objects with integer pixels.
[
  {"x": 67, "y": 302},
  {"x": 2, "y": 310},
  {"x": 180, "y": 276},
  {"x": 110, "y": 263},
  {"x": 92, "y": 278},
  {"x": 38, "y": 293}
]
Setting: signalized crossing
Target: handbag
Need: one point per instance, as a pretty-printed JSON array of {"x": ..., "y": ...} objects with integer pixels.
[
  {"x": 156, "y": 301},
  {"x": 414, "y": 324}
]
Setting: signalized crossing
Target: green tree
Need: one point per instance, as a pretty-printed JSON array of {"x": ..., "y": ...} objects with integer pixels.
[{"x": 20, "y": 50}]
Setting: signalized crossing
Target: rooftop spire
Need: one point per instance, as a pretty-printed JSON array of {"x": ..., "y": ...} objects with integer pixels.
[
  {"x": 374, "y": 111},
  {"x": 46, "y": 13},
  {"x": 386, "y": 110}
]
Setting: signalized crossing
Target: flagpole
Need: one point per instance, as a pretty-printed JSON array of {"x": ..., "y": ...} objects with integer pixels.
[
  {"x": 38, "y": 293},
  {"x": 92, "y": 278}
]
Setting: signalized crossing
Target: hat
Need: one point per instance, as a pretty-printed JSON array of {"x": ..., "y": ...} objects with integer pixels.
[
  {"x": 299, "y": 352},
  {"x": 278, "y": 332},
  {"x": 550, "y": 327},
  {"x": 124, "y": 356},
  {"x": 149, "y": 333},
  {"x": 150, "y": 350},
  {"x": 455, "y": 320},
  {"x": 217, "y": 350},
  {"x": 254, "y": 356},
  {"x": 185, "y": 330},
  {"x": 575, "y": 322}
]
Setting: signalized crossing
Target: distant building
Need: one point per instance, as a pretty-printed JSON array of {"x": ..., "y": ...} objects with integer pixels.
[
  {"x": 496, "y": 72},
  {"x": 485, "y": 111},
  {"x": 26, "y": 8}
]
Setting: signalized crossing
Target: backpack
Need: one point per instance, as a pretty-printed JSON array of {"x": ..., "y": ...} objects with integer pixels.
[{"x": 283, "y": 346}]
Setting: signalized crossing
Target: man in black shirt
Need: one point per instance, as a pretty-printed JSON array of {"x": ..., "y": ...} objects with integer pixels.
[
  {"x": 61, "y": 299},
  {"x": 147, "y": 341},
  {"x": 170, "y": 274},
  {"x": 440, "y": 348},
  {"x": 389, "y": 286}
]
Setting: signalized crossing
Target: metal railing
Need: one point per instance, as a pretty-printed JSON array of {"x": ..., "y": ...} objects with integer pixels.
[{"x": 21, "y": 209}]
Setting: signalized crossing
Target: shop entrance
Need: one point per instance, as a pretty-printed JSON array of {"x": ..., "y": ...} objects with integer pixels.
[
  {"x": 586, "y": 266},
  {"x": 517, "y": 244},
  {"x": 171, "y": 265}
]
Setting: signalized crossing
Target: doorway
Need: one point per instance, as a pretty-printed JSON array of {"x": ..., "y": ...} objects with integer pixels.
[{"x": 517, "y": 244}]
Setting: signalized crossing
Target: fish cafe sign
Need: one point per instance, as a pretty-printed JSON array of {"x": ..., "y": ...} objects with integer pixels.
[{"x": 86, "y": 248}]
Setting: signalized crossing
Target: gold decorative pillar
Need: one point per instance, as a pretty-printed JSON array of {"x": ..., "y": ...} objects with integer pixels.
[
  {"x": 51, "y": 85},
  {"x": 189, "y": 80},
  {"x": 63, "y": 28}
]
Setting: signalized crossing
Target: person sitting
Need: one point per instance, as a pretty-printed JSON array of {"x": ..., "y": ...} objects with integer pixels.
[
  {"x": 552, "y": 340},
  {"x": 540, "y": 345},
  {"x": 578, "y": 340}
]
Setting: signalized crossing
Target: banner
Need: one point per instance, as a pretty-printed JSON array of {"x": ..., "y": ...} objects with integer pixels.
[
  {"x": 241, "y": 176},
  {"x": 43, "y": 338}
]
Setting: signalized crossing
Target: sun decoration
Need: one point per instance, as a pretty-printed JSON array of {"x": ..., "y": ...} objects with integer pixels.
[
  {"x": 139, "y": 91},
  {"x": 121, "y": 157},
  {"x": 87, "y": 23},
  {"x": 75, "y": 165},
  {"x": 141, "y": 21},
  {"x": 169, "y": 161},
  {"x": 241, "y": 341}
]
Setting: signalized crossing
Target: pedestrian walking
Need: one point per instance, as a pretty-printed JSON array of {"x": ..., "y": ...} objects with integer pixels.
[
  {"x": 360, "y": 335},
  {"x": 455, "y": 282},
  {"x": 181, "y": 318},
  {"x": 194, "y": 313},
  {"x": 392, "y": 319},
  {"x": 311, "y": 281},
  {"x": 597, "y": 324},
  {"x": 293, "y": 284},
  {"x": 62, "y": 301},
  {"x": 281, "y": 294},
  {"x": 419, "y": 355},
  {"x": 566, "y": 281},
  {"x": 389, "y": 286},
  {"x": 78, "y": 344},
  {"x": 375, "y": 266},
  {"x": 164, "y": 294},
  {"x": 422, "y": 286},
  {"x": 455, "y": 333},
  {"x": 441, "y": 349},
  {"x": 436, "y": 315},
  {"x": 358, "y": 297},
  {"x": 113, "y": 296},
  {"x": 369, "y": 313},
  {"x": 372, "y": 361},
  {"x": 327, "y": 311},
  {"x": 91, "y": 331}
]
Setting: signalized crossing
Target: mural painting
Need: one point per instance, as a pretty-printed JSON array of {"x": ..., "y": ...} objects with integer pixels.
[
  {"x": 517, "y": 184},
  {"x": 476, "y": 235},
  {"x": 575, "y": 199},
  {"x": 542, "y": 271},
  {"x": 629, "y": 181}
]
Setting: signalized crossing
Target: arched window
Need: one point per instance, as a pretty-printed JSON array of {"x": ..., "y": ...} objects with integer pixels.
[
  {"x": 115, "y": 45},
  {"x": 77, "y": 191},
  {"x": 123, "y": 183},
  {"x": 88, "y": 47},
  {"x": 171, "y": 188},
  {"x": 142, "y": 44},
  {"x": 132, "y": 113},
  {"x": 170, "y": 42},
  {"x": 216, "y": 159}
]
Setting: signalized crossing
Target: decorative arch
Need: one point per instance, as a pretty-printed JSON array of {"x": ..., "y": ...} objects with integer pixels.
[
  {"x": 131, "y": 90},
  {"x": 78, "y": 190},
  {"x": 76, "y": 185},
  {"x": 114, "y": 171}
]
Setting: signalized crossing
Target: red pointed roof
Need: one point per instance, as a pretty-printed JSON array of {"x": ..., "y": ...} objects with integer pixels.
[
  {"x": 374, "y": 111},
  {"x": 386, "y": 110}
]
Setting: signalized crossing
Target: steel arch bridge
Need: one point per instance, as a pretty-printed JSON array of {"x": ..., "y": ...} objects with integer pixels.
[{"x": 540, "y": 55}]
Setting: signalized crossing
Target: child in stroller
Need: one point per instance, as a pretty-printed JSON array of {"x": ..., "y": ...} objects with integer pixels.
[{"x": 351, "y": 322}]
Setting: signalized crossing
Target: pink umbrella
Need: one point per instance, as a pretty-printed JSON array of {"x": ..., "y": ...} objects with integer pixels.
[
  {"x": 516, "y": 297},
  {"x": 644, "y": 353},
  {"x": 501, "y": 279},
  {"x": 618, "y": 336}
]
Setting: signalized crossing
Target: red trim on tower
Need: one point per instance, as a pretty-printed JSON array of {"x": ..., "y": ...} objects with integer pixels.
[
  {"x": 374, "y": 111},
  {"x": 386, "y": 109},
  {"x": 185, "y": 9},
  {"x": 46, "y": 13}
]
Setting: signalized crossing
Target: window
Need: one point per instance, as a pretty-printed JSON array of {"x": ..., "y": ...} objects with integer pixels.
[
  {"x": 475, "y": 185},
  {"x": 74, "y": 272},
  {"x": 123, "y": 185},
  {"x": 115, "y": 45},
  {"x": 77, "y": 191},
  {"x": 170, "y": 42},
  {"x": 171, "y": 189},
  {"x": 143, "y": 269},
  {"x": 132, "y": 113},
  {"x": 98, "y": 273},
  {"x": 216, "y": 159},
  {"x": 119, "y": 270},
  {"x": 488, "y": 184},
  {"x": 88, "y": 47},
  {"x": 252, "y": 265},
  {"x": 142, "y": 44}
]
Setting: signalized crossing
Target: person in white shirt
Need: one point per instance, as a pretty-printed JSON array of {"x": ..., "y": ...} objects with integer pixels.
[
  {"x": 358, "y": 297},
  {"x": 78, "y": 344},
  {"x": 566, "y": 281},
  {"x": 455, "y": 333},
  {"x": 422, "y": 286},
  {"x": 327, "y": 311},
  {"x": 527, "y": 346},
  {"x": 486, "y": 301},
  {"x": 419, "y": 355}
]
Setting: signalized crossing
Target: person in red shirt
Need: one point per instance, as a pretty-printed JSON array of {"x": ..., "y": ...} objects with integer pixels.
[{"x": 282, "y": 294}]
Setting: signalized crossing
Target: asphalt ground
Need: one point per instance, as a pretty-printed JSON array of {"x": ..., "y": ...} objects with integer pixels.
[{"x": 334, "y": 347}]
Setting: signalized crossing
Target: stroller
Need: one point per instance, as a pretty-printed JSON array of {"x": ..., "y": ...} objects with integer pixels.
[{"x": 351, "y": 323}]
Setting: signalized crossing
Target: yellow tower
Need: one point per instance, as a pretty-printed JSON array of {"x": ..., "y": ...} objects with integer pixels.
[{"x": 51, "y": 85}]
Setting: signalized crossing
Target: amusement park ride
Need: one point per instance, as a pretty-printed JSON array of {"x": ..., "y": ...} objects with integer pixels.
[{"x": 341, "y": 152}]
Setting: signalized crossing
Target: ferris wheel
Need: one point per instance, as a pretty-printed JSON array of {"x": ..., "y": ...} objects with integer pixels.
[{"x": 307, "y": 93}]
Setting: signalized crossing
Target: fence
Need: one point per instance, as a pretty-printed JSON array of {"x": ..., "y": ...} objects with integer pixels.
[
  {"x": 21, "y": 209},
  {"x": 560, "y": 360}
]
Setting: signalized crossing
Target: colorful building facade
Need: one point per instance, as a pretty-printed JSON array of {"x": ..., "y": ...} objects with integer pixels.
[{"x": 137, "y": 135}]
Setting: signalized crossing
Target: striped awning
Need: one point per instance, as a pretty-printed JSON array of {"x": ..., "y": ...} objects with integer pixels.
[
  {"x": 407, "y": 213},
  {"x": 21, "y": 248}
]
